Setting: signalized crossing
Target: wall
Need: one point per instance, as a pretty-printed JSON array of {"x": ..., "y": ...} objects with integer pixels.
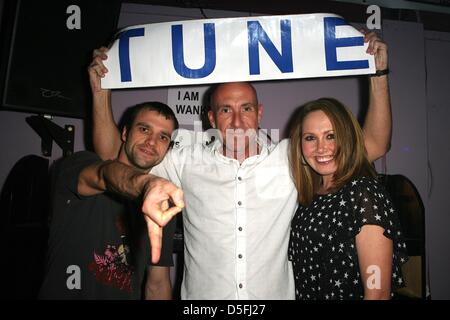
[{"x": 437, "y": 50}]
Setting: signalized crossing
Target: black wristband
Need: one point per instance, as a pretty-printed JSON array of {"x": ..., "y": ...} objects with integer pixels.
[{"x": 380, "y": 73}]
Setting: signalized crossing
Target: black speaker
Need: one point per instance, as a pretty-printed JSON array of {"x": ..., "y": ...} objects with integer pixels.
[{"x": 46, "y": 48}]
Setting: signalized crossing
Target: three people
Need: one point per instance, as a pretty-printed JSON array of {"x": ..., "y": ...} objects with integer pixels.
[{"x": 239, "y": 194}]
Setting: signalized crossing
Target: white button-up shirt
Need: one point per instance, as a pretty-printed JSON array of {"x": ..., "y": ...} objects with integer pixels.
[{"x": 236, "y": 221}]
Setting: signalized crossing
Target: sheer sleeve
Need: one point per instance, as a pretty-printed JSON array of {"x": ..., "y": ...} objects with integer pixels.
[{"x": 370, "y": 204}]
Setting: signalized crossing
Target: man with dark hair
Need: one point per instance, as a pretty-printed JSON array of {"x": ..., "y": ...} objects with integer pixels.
[{"x": 99, "y": 246}]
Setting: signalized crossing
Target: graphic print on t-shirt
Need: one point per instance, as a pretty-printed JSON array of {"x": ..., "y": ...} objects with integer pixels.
[{"x": 112, "y": 268}]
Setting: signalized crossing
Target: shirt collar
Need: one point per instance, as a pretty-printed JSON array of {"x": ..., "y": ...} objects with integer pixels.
[{"x": 262, "y": 139}]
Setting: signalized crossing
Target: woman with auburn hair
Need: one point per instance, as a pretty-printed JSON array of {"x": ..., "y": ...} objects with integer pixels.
[{"x": 345, "y": 236}]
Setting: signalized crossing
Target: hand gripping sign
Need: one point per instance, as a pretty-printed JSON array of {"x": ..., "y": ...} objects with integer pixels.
[{"x": 236, "y": 49}]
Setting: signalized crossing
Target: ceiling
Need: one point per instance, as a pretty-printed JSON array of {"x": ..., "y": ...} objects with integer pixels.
[{"x": 433, "y": 14}]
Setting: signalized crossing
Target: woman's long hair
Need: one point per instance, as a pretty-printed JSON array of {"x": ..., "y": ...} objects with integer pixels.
[{"x": 350, "y": 152}]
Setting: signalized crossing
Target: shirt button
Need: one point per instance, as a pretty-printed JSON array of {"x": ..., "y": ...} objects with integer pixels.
[
  {"x": 239, "y": 202},
  {"x": 68, "y": 201},
  {"x": 240, "y": 256},
  {"x": 240, "y": 178},
  {"x": 240, "y": 228},
  {"x": 240, "y": 285}
]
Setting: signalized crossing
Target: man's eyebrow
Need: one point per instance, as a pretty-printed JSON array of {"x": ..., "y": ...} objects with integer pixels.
[
  {"x": 143, "y": 124},
  {"x": 164, "y": 133},
  {"x": 148, "y": 126}
]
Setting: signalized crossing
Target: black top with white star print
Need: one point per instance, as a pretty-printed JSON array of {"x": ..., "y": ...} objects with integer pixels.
[{"x": 322, "y": 245}]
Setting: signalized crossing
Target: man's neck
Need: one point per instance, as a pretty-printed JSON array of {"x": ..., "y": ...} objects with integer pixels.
[{"x": 241, "y": 156}]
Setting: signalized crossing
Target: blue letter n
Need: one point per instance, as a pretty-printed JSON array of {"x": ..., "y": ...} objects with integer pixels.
[{"x": 256, "y": 34}]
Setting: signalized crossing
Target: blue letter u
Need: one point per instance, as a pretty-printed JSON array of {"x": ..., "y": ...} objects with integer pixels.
[{"x": 178, "y": 54}]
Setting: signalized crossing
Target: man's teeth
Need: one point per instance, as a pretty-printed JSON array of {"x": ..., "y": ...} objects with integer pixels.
[{"x": 146, "y": 151}]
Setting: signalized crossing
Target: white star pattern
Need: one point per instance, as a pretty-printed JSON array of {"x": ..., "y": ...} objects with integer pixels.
[{"x": 334, "y": 218}]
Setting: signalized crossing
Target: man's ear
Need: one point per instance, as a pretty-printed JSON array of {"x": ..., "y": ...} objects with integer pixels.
[
  {"x": 211, "y": 119},
  {"x": 260, "y": 112},
  {"x": 124, "y": 134}
]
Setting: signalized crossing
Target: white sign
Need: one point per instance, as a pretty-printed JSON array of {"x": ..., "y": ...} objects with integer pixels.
[
  {"x": 187, "y": 103},
  {"x": 236, "y": 49}
]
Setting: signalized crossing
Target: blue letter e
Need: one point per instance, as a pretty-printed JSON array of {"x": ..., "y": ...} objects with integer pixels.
[{"x": 331, "y": 43}]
